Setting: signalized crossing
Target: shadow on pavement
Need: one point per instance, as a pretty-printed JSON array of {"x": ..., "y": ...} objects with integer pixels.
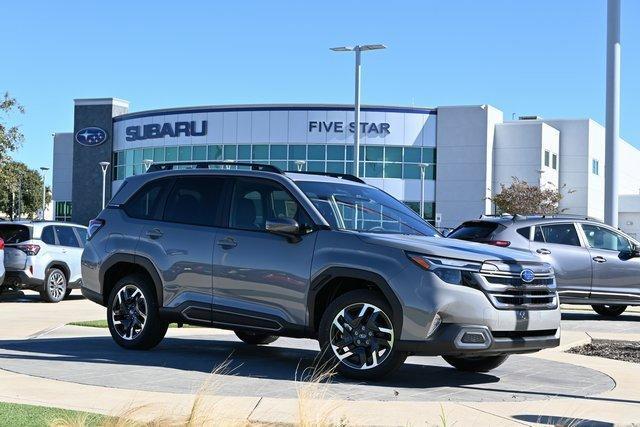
[
  {"x": 19, "y": 296},
  {"x": 625, "y": 317},
  {"x": 551, "y": 420},
  {"x": 204, "y": 355}
]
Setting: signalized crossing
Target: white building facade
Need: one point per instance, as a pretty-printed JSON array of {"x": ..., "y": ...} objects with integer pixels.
[{"x": 468, "y": 152}]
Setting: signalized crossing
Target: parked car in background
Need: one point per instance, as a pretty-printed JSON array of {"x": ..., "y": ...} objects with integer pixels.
[
  {"x": 1, "y": 264},
  {"x": 268, "y": 253},
  {"x": 43, "y": 256},
  {"x": 595, "y": 264}
]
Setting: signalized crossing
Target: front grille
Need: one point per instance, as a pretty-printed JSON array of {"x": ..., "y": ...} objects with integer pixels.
[
  {"x": 524, "y": 334},
  {"x": 507, "y": 291}
]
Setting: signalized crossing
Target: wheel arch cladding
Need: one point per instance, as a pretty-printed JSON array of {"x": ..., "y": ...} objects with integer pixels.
[
  {"x": 60, "y": 265},
  {"x": 335, "y": 281},
  {"x": 120, "y": 265}
]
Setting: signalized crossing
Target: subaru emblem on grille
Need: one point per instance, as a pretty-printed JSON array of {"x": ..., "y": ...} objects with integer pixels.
[{"x": 527, "y": 275}]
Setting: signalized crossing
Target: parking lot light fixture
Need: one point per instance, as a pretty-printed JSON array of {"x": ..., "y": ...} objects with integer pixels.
[
  {"x": 300, "y": 165},
  {"x": 147, "y": 164},
  {"x": 104, "y": 166},
  {"x": 44, "y": 169},
  {"x": 356, "y": 131}
]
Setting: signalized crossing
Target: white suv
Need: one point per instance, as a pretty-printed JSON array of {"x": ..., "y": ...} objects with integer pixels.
[{"x": 43, "y": 256}]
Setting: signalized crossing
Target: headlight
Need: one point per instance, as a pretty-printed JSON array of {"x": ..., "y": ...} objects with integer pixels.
[{"x": 449, "y": 270}]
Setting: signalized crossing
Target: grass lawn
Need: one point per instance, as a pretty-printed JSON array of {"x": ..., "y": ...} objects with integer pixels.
[
  {"x": 17, "y": 415},
  {"x": 103, "y": 324}
]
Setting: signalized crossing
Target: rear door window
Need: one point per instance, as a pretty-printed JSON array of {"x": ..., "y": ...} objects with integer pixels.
[
  {"x": 14, "y": 233},
  {"x": 48, "y": 236},
  {"x": 82, "y": 234},
  {"x": 476, "y": 230},
  {"x": 559, "y": 234},
  {"x": 195, "y": 200},
  {"x": 66, "y": 236}
]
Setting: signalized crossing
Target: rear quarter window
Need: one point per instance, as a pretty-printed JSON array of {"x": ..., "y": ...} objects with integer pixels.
[
  {"x": 14, "y": 233},
  {"x": 474, "y": 230}
]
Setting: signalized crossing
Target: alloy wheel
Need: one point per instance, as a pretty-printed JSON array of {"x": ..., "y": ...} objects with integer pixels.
[
  {"x": 361, "y": 336},
  {"x": 56, "y": 285},
  {"x": 129, "y": 312}
]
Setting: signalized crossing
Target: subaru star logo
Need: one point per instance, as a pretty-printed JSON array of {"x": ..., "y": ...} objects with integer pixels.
[
  {"x": 91, "y": 136},
  {"x": 527, "y": 275}
]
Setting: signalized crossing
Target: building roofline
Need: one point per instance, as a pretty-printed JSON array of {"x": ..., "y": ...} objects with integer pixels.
[
  {"x": 274, "y": 107},
  {"x": 101, "y": 101}
]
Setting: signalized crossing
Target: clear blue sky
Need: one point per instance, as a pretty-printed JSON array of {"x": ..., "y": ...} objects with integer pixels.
[{"x": 544, "y": 57}]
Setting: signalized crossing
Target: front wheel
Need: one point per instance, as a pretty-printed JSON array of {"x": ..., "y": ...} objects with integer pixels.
[
  {"x": 609, "y": 310},
  {"x": 476, "y": 364},
  {"x": 358, "y": 337},
  {"x": 255, "y": 338},
  {"x": 133, "y": 315},
  {"x": 55, "y": 286}
]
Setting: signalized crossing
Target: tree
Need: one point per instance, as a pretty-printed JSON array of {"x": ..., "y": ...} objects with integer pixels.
[
  {"x": 10, "y": 136},
  {"x": 521, "y": 198},
  {"x": 19, "y": 181}
]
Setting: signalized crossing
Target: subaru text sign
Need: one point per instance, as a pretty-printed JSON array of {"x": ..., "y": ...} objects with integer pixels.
[
  {"x": 172, "y": 130},
  {"x": 91, "y": 136},
  {"x": 340, "y": 127}
]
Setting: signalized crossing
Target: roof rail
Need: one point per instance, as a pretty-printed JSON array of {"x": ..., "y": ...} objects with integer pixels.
[
  {"x": 518, "y": 217},
  {"x": 345, "y": 176},
  {"x": 204, "y": 164}
]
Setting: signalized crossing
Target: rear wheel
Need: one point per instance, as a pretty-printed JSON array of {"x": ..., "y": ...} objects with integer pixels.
[
  {"x": 254, "y": 338},
  {"x": 609, "y": 310},
  {"x": 476, "y": 364},
  {"x": 55, "y": 286},
  {"x": 133, "y": 315},
  {"x": 358, "y": 337}
]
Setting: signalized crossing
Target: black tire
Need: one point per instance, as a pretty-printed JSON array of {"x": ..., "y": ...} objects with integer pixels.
[
  {"x": 254, "y": 338},
  {"x": 55, "y": 286},
  {"x": 392, "y": 358},
  {"x": 609, "y": 310},
  {"x": 151, "y": 331},
  {"x": 476, "y": 364}
]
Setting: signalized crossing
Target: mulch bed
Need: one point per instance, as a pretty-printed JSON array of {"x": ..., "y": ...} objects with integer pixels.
[{"x": 629, "y": 351}]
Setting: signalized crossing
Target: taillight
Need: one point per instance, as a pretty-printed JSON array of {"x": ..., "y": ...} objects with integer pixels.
[
  {"x": 94, "y": 226},
  {"x": 29, "y": 249},
  {"x": 1, "y": 244},
  {"x": 501, "y": 243}
]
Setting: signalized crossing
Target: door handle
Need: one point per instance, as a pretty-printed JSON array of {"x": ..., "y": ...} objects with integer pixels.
[
  {"x": 543, "y": 251},
  {"x": 599, "y": 259},
  {"x": 228, "y": 243},
  {"x": 154, "y": 234}
]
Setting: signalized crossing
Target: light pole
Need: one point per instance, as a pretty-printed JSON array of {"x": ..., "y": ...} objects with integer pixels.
[
  {"x": 356, "y": 131},
  {"x": 612, "y": 120},
  {"x": 104, "y": 166},
  {"x": 44, "y": 169},
  {"x": 147, "y": 164},
  {"x": 423, "y": 166}
]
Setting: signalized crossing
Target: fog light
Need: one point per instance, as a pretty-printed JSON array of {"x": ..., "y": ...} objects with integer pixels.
[
  {"x": 473, "y": 338},
  {"x": 437, "y": 320}
]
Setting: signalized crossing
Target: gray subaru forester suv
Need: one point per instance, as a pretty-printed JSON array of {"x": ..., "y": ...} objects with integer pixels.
[{"x": 265, "y": 253}]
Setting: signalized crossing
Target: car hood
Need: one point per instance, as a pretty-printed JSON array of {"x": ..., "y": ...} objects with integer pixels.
[{"x": 449, "y": 248}]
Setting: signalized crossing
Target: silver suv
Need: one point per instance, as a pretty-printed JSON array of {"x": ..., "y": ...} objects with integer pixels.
[
  {"x": 595, "y": 264},
  {"x": 43, "y": 256},
  {"x": 267, "y": 253}
]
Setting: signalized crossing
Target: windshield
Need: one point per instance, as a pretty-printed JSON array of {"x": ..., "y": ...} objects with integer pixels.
[{"x": 360, "y": 208}]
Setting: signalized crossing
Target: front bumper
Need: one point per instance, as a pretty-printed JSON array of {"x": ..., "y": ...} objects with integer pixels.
[{"x": 460, "y": 340}]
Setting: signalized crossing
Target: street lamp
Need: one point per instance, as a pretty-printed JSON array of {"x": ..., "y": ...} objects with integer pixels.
[
  {"x": 356, "y": 134},
  {"x": 147, "y": 164},
  {"x": 104, "y": 166},
  {"x": 44, "y": 169},
  {"x": 300, "y": 164},
  {"x": 423, "y": 167}
]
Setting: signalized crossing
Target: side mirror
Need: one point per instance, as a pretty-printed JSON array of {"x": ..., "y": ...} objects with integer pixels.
[{"x": 286, "y": 227}]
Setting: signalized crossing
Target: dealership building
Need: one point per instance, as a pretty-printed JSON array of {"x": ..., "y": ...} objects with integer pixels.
[{"x": 467, "y": 152}]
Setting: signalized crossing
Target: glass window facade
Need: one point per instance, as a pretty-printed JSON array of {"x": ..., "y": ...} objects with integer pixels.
[
  {"x": 377, "y": 161},
  {"x": 63, "y": 211}
]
